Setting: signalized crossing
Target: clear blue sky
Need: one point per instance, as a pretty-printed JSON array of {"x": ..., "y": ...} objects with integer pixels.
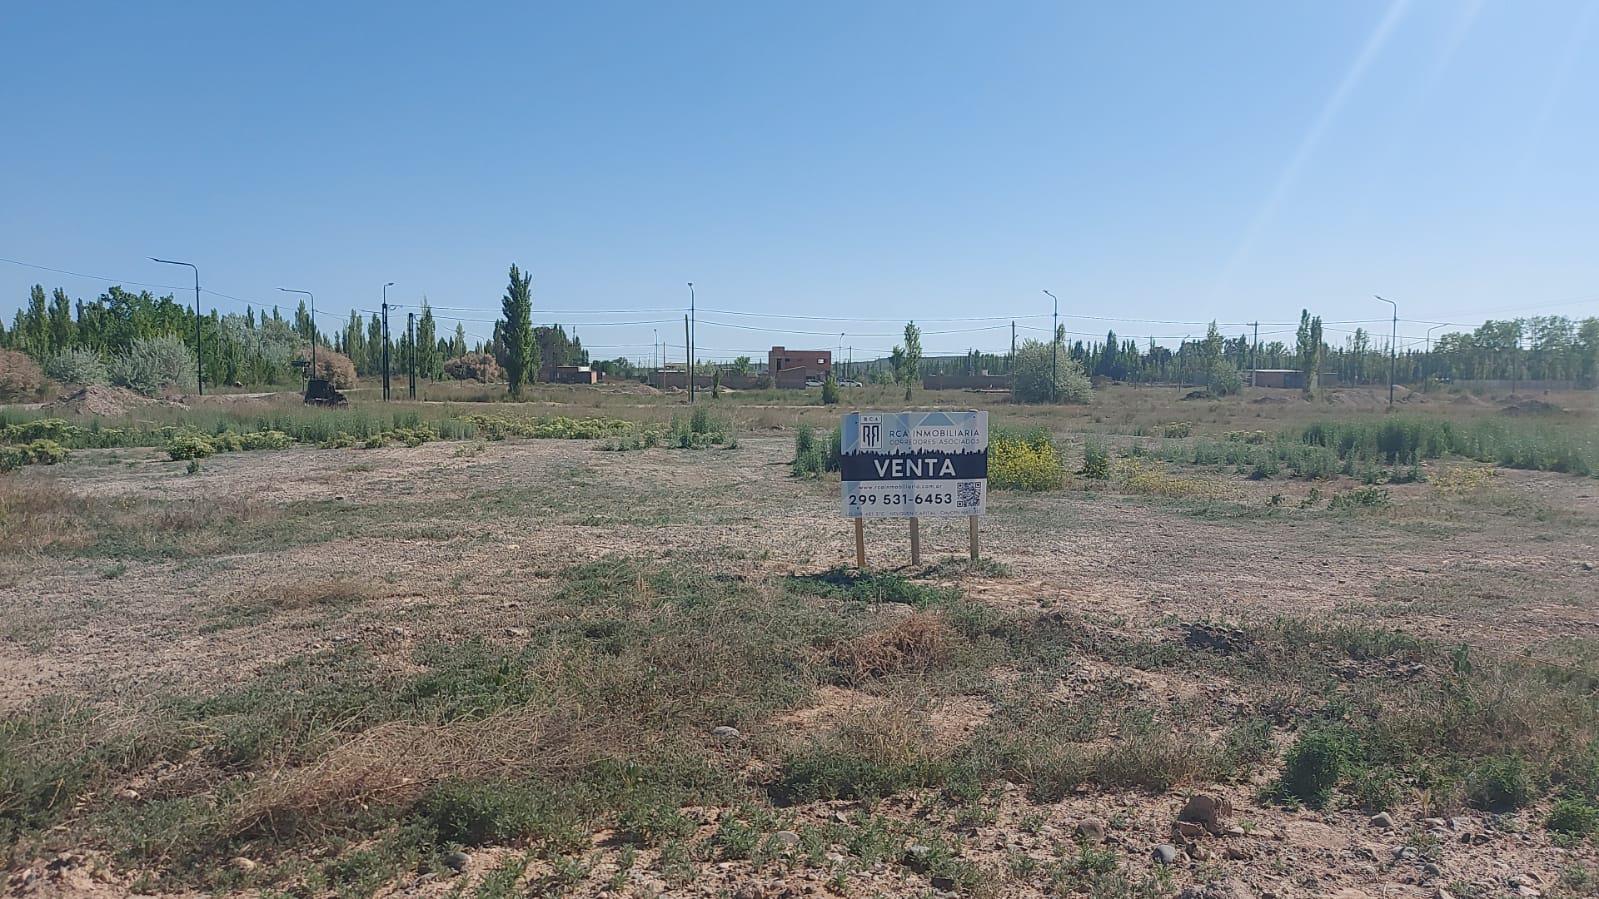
[{"x": 1184, "y": 161}]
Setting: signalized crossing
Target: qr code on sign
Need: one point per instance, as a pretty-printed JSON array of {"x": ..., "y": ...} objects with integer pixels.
[{"x": 969, "y": 495}]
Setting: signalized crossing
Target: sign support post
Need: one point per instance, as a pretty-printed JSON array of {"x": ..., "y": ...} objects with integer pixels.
[
  {"x": 860, "y": 543},
  {"x": 971, "y": 526},
  {"x": 916, "y": 541}
]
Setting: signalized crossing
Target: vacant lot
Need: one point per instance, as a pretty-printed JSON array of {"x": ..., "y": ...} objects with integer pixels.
[{"x": 531, "y": 666}]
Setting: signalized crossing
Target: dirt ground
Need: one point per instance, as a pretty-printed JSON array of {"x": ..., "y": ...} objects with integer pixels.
[{"x": 502, "y": 515}]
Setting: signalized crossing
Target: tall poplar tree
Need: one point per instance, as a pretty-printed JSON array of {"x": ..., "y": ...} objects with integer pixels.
[{"x": 516, "y": 330}]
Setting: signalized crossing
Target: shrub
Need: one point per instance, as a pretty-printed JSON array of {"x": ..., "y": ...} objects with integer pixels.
[
  {"x": 20, "y": 376},
  {"x": 1500, "y": 784},
  {"x": 475, "y": 814},
  {"x": 1033, "y": 366},
  {"x": 153, "y": 364},
  {"x": 265, "y": 440},
  {"x": 473, "y": 367},
  {"x": 1316, "y": 764},
  {"x": 829, "y": 392},
  {"x": 1028, "y": 461},
  {"x": 189, "y": 446},
  {"x": 1096, "y": 460},
  {"x": 814, "y": 458},
  {"x": 1573, "y": 816},
  {"x": 38, "y": 452},
  {"x": 332, "y": 366},
  {"x": 73, "y": 366},
  {"x": 700, "y": 429}
]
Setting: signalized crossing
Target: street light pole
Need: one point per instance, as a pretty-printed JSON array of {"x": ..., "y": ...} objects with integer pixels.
[
  {"x": 691, "y": 343},
  {"x": 1393, "y": 349},
  {"x": 839, "y": 356},
  {"x": 313, "y": 323},
  {"x": 410, "y": 339},
  {"x": 199, "y": 372},
  {"x": 1054, "y": 351},
  {"x": 386, "y": 340}
]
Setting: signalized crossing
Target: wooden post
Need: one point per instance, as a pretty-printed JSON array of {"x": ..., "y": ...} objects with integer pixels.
[
  {"x": 860, "y": 544},
  {"x": 971, "y": 525},
  {"x": 916, "y": 541}
]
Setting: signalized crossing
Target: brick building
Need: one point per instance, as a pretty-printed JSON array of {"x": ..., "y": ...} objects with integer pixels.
[{"x": 790, "y": 369}]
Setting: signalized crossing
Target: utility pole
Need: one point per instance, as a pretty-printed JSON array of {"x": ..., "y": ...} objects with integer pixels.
[
  {"x": 655, "y": 350},
  {"x": 1393, "y": 350},
  {"x": 199, "y": 371},
  {"x": 1254, "y": 355},
  {"x": 386, "y": 340},
  {"x": 1054, "y": 351},
  {"x": 410, "y": 337},
  {"x": 689, "y": 339}
]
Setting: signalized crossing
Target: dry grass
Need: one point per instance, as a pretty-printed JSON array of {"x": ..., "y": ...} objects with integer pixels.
[
  {"x": 393, "y": 765},
  {"x": 915, "y": 644},
  {"x": 37, "y": 517}
]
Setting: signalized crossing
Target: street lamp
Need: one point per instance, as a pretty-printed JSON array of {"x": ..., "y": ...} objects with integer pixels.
[
  {"x": 692, "y": 324},
  {"x": 313, "y": 323},
  {"x": 386, "y": 340},
  {"x": 1393, "y": 349},
  {"x": 839, "y": 355},
  {"x": 199, "y": 373},
  {"x": 1054, "y": 350}
]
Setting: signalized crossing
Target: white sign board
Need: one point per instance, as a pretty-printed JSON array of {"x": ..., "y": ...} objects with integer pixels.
[{"x": 914, "y": 464}]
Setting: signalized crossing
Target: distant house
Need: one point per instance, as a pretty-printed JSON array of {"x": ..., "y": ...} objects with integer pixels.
[
  {"x": 790, "y": 369},
  {"x": 1281, "y": 378},
  {"x": 568, "y": 374}
]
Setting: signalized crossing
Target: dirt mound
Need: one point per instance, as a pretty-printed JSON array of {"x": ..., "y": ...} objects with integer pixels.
[
  {"x": 631, "y": 388},
  {"x": 1270, "y": 401},
  {"x": 97, "y": 400},
  {"x": 1520, "y": 406}
]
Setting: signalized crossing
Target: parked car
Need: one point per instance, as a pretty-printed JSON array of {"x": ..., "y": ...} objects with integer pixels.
[
  {"x": 850, "y": 382},
  {"x": 812, "y": 382}
]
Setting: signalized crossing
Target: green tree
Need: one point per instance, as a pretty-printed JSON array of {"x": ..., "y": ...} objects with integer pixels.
[
  {"x": 458, "y": 342},
  {"x": 1037, "y": 363},
  {"x": 34, "y": 327},
  {"x": 907, "y": 358},
  {"x": 521, "y": 353},
  {"x": 61, "y": 327},
  {"x": 1310, "y": 350},
  {"x": 428, "y": 363},
  {"x": 743, "y": 365}
]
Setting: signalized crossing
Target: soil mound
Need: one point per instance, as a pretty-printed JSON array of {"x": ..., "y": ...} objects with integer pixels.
[
  {"x": 1519, "y": 406},
  {"x": 95, "y": 399}
]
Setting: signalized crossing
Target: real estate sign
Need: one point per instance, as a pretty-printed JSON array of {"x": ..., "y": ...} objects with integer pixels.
[{"x": 914, "y": 464}]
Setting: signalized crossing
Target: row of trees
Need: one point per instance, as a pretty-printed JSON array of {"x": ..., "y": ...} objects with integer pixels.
[
  {"x": 262, "y": 349},
  {"x": 1540, "y": 348},
  {"x": 78, "y": 337}
]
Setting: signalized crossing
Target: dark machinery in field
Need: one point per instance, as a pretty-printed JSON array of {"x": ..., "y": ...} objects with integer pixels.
[{"x": 320, "y": 392}]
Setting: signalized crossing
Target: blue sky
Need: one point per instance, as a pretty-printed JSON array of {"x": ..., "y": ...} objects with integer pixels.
[{"x": 1161, "y": 161}]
